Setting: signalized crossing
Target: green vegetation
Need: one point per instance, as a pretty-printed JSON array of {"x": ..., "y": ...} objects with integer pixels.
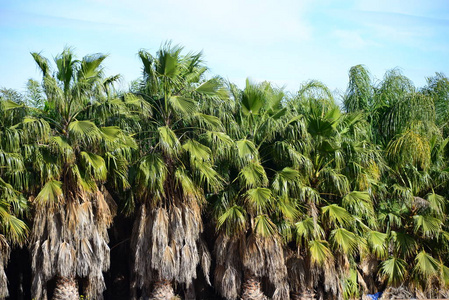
[{"x": 255, "y": 192}]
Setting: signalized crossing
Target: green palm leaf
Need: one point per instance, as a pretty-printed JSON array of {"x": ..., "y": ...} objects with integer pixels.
[
  {"x": 394, "y": 270},
  {"x": 14, "y": 229},
  {"x": 437, "y": 204},
  {"x": 358, "y": 203},
  {"x": 94, "y": 166},
  {"x": 168, "y": 141},
  {"x": 183, "y": 105},
  {"x": 426, "y": 265},
  {"x": 246, "y": 150},
  {"x": 259, "y": 200},
  {"x": 444, "y": 274},
  {"x": 287, "y": 181},
  {"x": 50, "y": 196},
  {"x": 233, "y": 219},
  {"x": 253, "y": 175},
  {"x": 264, "y": 226},
  {"x": 319, "y": 252},
  {"x": 252, "y": 99},
  {"x": 344, "y": 240},
  {"x": 337, "y": 215},
  {"x": 208, "y": 175},
  {"x": 428, "y": 225},
  {"x": 377, "y": 243},
  {"x": 210, "y": 87},
  {"x": 307, "y": 230},
  {"x": 84, "y": 131},
  {"x": 404, "y": 244},
  {"x": 209, "y": 122},
  {"x": 197, "y": 150},
  {"x": 152, "y": 174}
]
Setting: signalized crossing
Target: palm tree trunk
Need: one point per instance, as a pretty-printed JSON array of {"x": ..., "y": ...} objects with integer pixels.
[
  {"x": 252, "y": 290},
  {"x": 307, "y": 295},
  {"x": 66, "y": 289},
  {"x": 162, "y": 290}
]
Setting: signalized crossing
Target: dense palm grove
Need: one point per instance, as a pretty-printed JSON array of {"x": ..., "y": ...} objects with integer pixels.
[{"x": 187, "y": 187}]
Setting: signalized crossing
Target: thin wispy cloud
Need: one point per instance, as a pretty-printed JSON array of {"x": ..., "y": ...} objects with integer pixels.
[{"x": 352, "y": 39}]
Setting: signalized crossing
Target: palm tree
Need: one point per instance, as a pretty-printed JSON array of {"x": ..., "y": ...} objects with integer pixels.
[
  {"x": 438, "y": 89},
  {"x": 175, "y": 169},
  {"x": 13, "y": 204},
  {"x": 249, "y": 248},
  {"x": 339, "y": 169},
  {"x": 360, "y": 90},
  {"x": 72, "y": 208},
  {"x": 411, "y": 211}
]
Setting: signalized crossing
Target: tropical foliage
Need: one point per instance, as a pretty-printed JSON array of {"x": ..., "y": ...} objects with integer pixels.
[{"x": 239, "y": 193}]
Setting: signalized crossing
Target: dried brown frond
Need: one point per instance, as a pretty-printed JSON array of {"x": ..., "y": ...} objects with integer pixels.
[
  {"x": 66, "y": 263},
  {"x": 420, "y": 203},
  {"x": 72, "y": 241},
  {"x": 296, "y": 272},
  {"x": 228, "y": 272},
  {"x": 168, "y": 245},
  {"x": 206, "y": 259},
  {"x": 4, "y": 257},
  {"x": 397, "y": 293}
]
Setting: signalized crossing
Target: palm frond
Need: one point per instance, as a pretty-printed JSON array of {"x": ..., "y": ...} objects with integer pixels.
[
  {"x": 337, "y": 215},
  {"x": 94, "y": 166},
  {"x": 259, "y": 200},
  {"x": 428, "y": 226},
  {"x": 264, "y": 226},
  {"x": 50, "y": 196},
  {"x": 319, "y": 252},
  {"x": 394, "y": 270},
  {"x": 233, "y": 220},
  {"x": 344, "y": 240},
  {"x": 168, "y": 141},
  {"x": 253, "y": 175}
]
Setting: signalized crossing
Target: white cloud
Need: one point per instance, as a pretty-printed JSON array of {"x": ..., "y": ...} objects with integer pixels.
[
  {"x": 251, "y": 20},
  {"x": 351, "y": 39}
]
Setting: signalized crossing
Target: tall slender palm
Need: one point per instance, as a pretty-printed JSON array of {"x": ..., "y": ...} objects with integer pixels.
[
  {"x": 359, "y": 94},
  {"x": 72, "y": 208},
  {"x": 12, "y": 174},
  {"x": 174, "y": 170},
  {"x": 438, "y": 89}
]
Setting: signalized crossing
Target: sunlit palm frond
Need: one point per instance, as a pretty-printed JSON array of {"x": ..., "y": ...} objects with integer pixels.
[
  {"x": 85, "y": 132},
  {"x": 360, "y": 90},
  {"x": 426, "y": 266},
  {"x": 337, "y": 215},
  {"x": 233, "y": 220},
  {"x": 427, "y": 225},
  {"x": 403, "y": 243},
  {"x": 320, "y": 252},
  {"x": 344, "y": 240},
  {"x": 394, "y": 270},
  {"x": 259, "y": 201},
  {"x": 50, "y": 196},
  {"x": 308, "y": 230},
  {"x": 253, "y": 175},
  {"x": 264, "y": 226},
  {"x": 151, "y": 174},
  {"x": 94, "y": 166},
  {"x": 168, "y": 141},
  {"x": 377, "y": 241},
  {"x": 359, "y": 203}
]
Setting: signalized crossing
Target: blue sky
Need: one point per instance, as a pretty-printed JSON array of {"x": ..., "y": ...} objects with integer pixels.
[{"x": 286, "y": 42}]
